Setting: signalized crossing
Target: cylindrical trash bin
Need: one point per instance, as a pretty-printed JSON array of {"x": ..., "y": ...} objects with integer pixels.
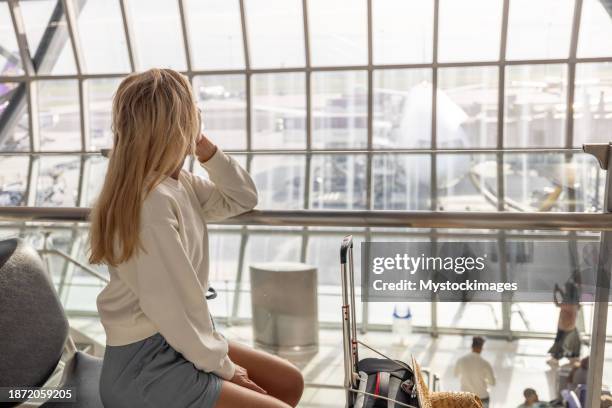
[{"x": 284, "y": 306}]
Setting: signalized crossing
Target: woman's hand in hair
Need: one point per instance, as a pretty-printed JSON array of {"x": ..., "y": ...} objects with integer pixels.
[
  {"x": 242, "y": 379},
  {"x": 205, "y": 149}
]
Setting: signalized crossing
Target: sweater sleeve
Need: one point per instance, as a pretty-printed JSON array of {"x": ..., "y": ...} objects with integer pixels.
[
  {"x": 172, "y": 297},
  {"x": 230, "y": 190}
]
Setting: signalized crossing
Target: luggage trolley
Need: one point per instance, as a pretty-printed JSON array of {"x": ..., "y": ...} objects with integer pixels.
[{"x": 370, "y": 382}]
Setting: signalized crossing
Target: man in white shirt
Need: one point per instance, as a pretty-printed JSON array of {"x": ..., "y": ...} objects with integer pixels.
[{"x": 475, "y": 373}]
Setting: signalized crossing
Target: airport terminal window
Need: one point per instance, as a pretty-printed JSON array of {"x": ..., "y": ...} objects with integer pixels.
[
  {"x": 99, "y": 98},
  {"x": 102, "y": 54},
  {"x": 535, "y": 105},
  {"x": 14, "y": 117},
  {"x": 339, "y": 109},
  {"x": 222, "y": 99},
  {"x": 280, "y": 181},
  {"x": 58, "y": 115},
  {"x": 402, "y": 108},
  {"x": 157, "y": 34},
  {"x": 13, "y": 179},
  {"x": 539, "y": 29},
  {"x": 276, "y": 33},
  {"x": 215, "y": 34},
  {"x": 58, "y": 181},
  {"x": 338, "y": 181},
  {"x": 592, "y": 103},
  {"x": 279, "y": 110},
  {"x": 10, "y": 57},
  {"x": 474, "y": 22},
  {"x": 338, "y": 32},
  {"x": 467, "y": 107},
  {"x": 393, "y": 21},
  {"x": 595, "y": 25}
]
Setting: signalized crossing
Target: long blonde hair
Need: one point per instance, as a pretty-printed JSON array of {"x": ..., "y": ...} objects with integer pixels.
[{"x": 155, "y": 124}]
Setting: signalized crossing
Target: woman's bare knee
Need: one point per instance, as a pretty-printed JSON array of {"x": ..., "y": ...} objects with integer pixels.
[{"x": 291, "y": 384}]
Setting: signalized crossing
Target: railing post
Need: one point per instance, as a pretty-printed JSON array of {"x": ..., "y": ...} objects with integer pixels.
[{"x": 600, "y": 314}]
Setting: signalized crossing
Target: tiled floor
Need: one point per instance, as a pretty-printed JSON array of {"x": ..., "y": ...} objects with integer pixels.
[{"x": 517, "y": 365}]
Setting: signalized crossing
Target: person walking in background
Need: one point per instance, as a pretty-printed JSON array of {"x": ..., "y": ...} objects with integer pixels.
[{"x": 475, "y": 373}]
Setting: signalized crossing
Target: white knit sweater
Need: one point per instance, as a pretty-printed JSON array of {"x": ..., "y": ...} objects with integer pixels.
[{"x": 163, "y": 289}]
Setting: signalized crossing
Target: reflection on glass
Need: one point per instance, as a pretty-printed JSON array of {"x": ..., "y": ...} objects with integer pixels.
[
  {"x": 100, "y": 28},
  {"x": 48, "y": 37},
  {"x": 279, "y": 110},
  {"x": 539, "y": 29},
  {"x": 276, "y": 33},
  {"x": 10, "y": 59},
  {"x": 466, "y": 182},
  {"x": 476, "y": 23},
  {"x": 401, "y": 182},
  {"x": 394, "y": 21},
  {"x": 402, "y": 108},
  {"x": 552, "y": 182},
  {"x": 13, "y": 180},
  {"x": 339, "y": 109},
  {"x": 467, "y": 107},
  {"x": 593, "y": 103},
  {"x": 338, "y": 32},
  {"x": 100, "y": 97},
  {"x": 95, "y": 171},
  {"x": 58, "y": 115},
  {"x": 338, "y": 181},
  {"x": 535, "y": 105},
  {"x": 222, "y": 99},
  {"x": 280, "y": 181},
  {"x": 215, "y": 34},
  {"x": 14, "y": 123},
  {"x": 158, "y": 34},
  {"x": 58, "y": 181},
  {"x": 595, "y": 29}
]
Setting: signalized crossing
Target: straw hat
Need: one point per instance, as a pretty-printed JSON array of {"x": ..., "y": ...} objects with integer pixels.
[{"x": 428, "y": 399}]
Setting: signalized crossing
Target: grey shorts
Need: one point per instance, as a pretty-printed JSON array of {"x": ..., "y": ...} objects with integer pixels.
[{"x": 151, "y": 374}]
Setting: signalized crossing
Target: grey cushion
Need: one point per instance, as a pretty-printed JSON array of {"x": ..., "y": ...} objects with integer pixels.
[
  {"x": 83, "y": 376},
  {"x": 33, "y": 326}
]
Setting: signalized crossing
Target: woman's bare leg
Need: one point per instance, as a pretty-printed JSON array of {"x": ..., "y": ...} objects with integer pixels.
[
  {"x": 233, "y": 396},
  {"x": 277, "y": 376}
]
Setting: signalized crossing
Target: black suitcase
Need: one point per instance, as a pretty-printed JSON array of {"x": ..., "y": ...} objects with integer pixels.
[{"x": 371, "y": 382}]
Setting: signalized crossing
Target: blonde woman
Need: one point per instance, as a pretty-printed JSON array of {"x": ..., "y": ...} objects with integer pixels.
[{"x": 149, "y": 226}]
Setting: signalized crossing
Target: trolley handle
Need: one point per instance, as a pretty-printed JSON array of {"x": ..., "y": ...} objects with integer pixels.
[{"x": 347, "y": 243}]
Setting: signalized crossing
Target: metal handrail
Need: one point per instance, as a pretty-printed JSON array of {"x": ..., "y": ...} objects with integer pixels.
[{"x": 391, "y": 219}]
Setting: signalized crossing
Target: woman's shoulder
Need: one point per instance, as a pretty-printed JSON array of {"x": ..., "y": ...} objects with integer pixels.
[{"x": 159, "y": 205}]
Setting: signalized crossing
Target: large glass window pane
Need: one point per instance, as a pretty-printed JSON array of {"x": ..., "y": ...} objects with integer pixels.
[
  {"x": 402, "y": 108},
  {"x": 58, "y": 181},
  {"x": 466, "y": 182},
  {"x": 215, "y": 34},
  {"x": 14, "y": 123},
  {"x": 13, "y": 180},
  {"x": 158, "y": 34},
  {"x": 280, "y": 181},
  {"x": 595, "y": 29},
  {"x": 100, "y": 98},
  {"x": 95, "y": 172},
  {"x": 535, "y": 105},
  {"x": 552, "y": 182},
  {"x": 100, "y": 27},
  {"x": 394, "y": 21},
  {"x": 339, "y": 109},
  {"x": 58, "y": 115},
  {"x": 467, "y": 107},
  {"x": 276, "y": 33},
  {"x": 338, "y": 181},
  {"x": 279, "y": 110},
  {"x": 593, "y": 103},
  {"x": 401, "y": 182},
  {"x": 10, "y": 59},
  {"x": 48, "y": 37},
  {"x": 338, "y": 32},
  {"x": 539, "y": 29},
  {"x": 469, "y": 30},
  {"x": 222, "y": 99}
]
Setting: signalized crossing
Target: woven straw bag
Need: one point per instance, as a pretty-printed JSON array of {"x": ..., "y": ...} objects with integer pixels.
[{"x": 442, "y": 399}]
